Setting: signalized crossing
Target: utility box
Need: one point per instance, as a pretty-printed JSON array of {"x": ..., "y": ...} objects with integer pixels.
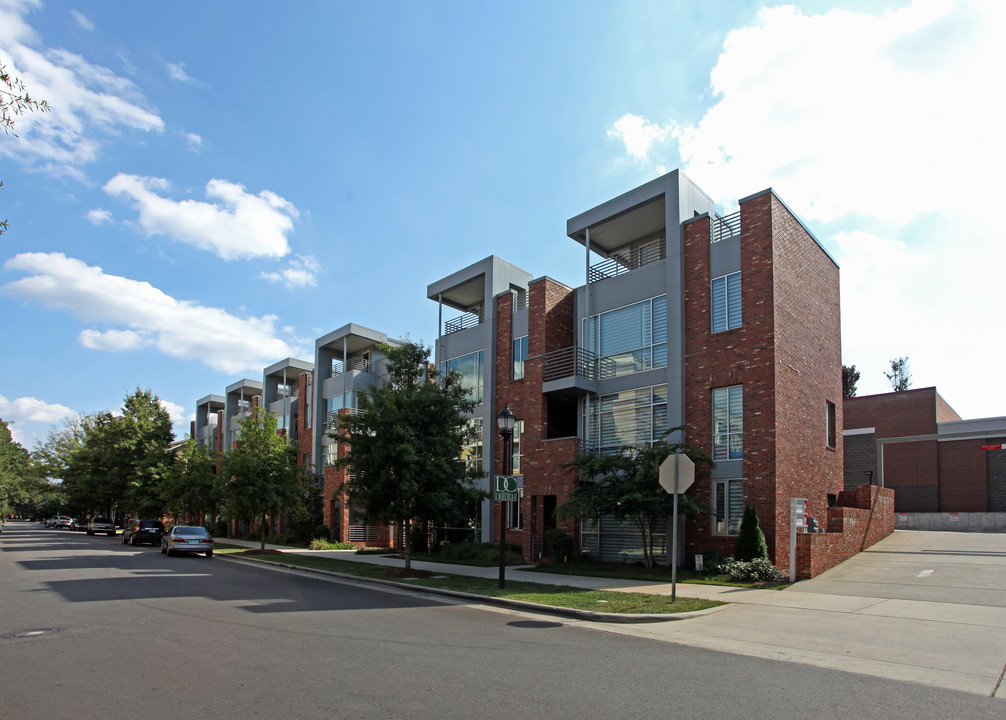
[{"x": 797, "y": 524}]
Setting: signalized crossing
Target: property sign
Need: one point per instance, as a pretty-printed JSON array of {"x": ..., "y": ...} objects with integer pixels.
[
  {"x": 992, "y": 447},
  {"x": 505, "y": 488}
]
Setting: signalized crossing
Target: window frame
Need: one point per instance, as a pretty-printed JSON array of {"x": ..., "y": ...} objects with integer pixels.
[
  {"x": 729, "y": 321},
  {"x": 518, "y": 351},
  {"x": 831, "y": 424},
  {"x": 730, "y": 484},
  {"x": 729, "y": 433}
]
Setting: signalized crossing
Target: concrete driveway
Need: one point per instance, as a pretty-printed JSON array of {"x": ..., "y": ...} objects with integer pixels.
[{"x": 943, "y": 567}]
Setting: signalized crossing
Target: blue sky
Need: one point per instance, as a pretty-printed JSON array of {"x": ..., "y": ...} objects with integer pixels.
[{"x": 218, "y": 184}]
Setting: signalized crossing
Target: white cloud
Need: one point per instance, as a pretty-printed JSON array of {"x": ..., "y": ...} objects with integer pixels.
[
  {"x": 638, "y": 134},
  {"x": 237, "y": 225},
  {"x": 195, "y": 142},
  {"x": 82, "y": 21},
  {"x": 302, "y": 272},
  {"x": 98, "y": 216},
  {"x": 176, "y": 71},
  {"x": 178, "y": 328},
  {"x": 113, "y": 340},
  {"x": 881, "y": 126},
  {"x": 89, "y": 102},
  {"x": 29, "y": 409}
]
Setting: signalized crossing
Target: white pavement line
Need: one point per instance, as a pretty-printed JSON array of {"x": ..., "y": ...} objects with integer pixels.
[{"x": 925, "y": 573}]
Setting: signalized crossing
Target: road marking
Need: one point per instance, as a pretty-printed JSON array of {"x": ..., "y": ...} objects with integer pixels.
[{"x": 925, "y": 573}]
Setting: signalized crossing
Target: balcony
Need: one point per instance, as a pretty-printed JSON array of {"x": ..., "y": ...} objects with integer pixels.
[
  {"x": 725, "y": 227},
  {"x": 463, "y": 322},
  {"x": 626, "y": 260},
  {"x": 353, "y": 363}
]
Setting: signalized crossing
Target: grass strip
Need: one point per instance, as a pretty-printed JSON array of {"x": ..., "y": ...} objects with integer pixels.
[
  {"x": 662, "y": 575},
  {"x": 556, "y": 595}
]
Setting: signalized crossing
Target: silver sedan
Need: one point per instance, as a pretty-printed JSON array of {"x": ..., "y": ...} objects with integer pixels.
[{"x": 187, "y": 539}]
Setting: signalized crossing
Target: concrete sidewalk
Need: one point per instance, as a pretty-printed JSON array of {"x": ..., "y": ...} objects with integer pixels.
[{"x": 956, "y": 645}]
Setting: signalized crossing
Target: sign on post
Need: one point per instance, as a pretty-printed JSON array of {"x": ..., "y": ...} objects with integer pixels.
[
  {"x": 505, "y": 488},
  {"x": 685, "y": 473}
]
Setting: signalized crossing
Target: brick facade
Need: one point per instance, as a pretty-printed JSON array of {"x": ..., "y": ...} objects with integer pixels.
[
  {"x": 787, "y": 357},
  {"x": 861, "y": 518},
  {"x": 546, "y": 483}
]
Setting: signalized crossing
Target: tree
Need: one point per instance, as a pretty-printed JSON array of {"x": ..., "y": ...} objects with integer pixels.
[
  {"x": 260, "y": 476},
  {"x": 15, "y": 100},
  {"x": 626, "y": 485},
  {"x": 190, "y": 486},
  {"x": 850, "y": 376},
  {"x": 751, "y": 543},
  {"x": 899, "y": 377},
  {"x": 405, "y": 444},
  {"x": 14, "y": 471}
]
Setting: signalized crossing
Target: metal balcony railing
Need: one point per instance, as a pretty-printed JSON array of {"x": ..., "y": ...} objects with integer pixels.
[
  {"x": 287, "y": 391},
  {"x": 724, "y": 227},
  {"x": 569, "y": 362},
  {"x": 353, "y": 363},
  {"x": 627, "y": 260},
  {"x": 463, "y": 322},
  {"x": 520, "y": 300}
]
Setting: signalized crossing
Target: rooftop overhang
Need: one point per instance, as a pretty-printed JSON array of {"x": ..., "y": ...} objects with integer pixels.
[
  {"x": 465, "y": 288},
  {"x": 355, "y": 338},
  {"x": 609, "y": 232},
  {"x": 245, "y": 387},
  {"x": 214, "y": 403},
  {"x": 298, "y": 366}
]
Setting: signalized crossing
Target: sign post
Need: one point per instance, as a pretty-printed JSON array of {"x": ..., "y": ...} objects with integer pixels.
[{"x": 677, "y": 473}]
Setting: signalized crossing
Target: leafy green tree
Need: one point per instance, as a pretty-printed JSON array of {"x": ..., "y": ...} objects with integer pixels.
[
  {"x": 750, "y": 544},
  {"x": 190, "y": 486},
  {"x": 260, "y": 476},
  {"x": 626, "y": 485},
  {"x": 405, "y": 445},
  {"x": 14, "y": 471},
  {"x": 899, "y": 377},
  {"x": 850, "y": 376}
]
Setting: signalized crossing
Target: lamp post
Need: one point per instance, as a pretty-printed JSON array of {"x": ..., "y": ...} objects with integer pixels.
[{"x": 505, "y": 421}]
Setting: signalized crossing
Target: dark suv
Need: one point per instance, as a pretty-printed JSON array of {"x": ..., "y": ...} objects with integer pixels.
[{"x": 143, "y": 531}]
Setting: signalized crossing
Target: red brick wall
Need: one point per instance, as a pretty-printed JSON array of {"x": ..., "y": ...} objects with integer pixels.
[
  {"x": 894, "y": 414},
  {"x": 963, "y": 476},
  {"x": 863, "y": 517},
  {"x": 808, "y": 363},
  {"x": 786, "y": 355},
  {"x": 550, "y": 327}
]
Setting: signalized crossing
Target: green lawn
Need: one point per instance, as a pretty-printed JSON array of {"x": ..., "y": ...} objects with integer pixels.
[
  {"x": 554, "y": 595},
  {"x": 657, "y": 574}
]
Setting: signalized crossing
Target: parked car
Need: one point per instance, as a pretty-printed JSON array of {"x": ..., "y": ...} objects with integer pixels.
[
  {"x": 138, "y": 532},
  {"x": 78, "y": 524},
  {"x": 63, "y": 522},
  {"x": 187, "y": 538},
  {"x": 50, "y": 522},
  {"x": 101, "y": 525}
]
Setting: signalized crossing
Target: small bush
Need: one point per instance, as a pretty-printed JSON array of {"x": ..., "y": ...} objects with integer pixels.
[
  {"x": 221, "y": 529},
  {"x": 711, "y": 561},
  {"x": 760, "y": 570},
  {"x": 558, "y": 544},
  {"x": 750, "y": 539},
  {"x": 374, "y": 551},
  {"x": 479, "y": 552},
  {"x": 324, "y": 544},
  {"x": 321, "y": 531}
]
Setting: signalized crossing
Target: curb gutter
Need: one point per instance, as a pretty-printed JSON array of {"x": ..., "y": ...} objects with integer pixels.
[{"x": 589, "y": 615}]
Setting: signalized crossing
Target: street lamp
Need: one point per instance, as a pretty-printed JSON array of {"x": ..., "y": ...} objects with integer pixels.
[{"x": 505, "y": 421}]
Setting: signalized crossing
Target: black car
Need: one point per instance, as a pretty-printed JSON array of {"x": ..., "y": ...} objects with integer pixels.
[
  {"x": 79, "y": 524},
  {"x": 143, "y": 531}
]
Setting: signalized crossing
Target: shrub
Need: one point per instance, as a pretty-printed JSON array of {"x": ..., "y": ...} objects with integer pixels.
[
  {"x": 558, "y": 544},
  {"x": 221, "y": 529},
  {"x": 322, "y": 531},
  {"x": 324, "y": 544},
  {"x": 760, "y": 570},
  {"x": 711, "y": 561},
  {"x": 488, "y": 553},
  {"x": 751, "y": 543}
]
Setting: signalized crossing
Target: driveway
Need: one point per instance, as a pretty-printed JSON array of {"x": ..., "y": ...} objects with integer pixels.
[{"x": 942, "y": 567}]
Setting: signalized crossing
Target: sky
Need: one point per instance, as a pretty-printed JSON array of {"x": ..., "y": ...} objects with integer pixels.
[{"x": 218, "y": 184}]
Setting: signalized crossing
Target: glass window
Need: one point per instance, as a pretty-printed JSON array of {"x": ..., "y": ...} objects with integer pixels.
[
  {"x": 471, "y": 454},
  {"x": 728, "y": 506},
  {"x": 728, "y": 423},
  {"x": 514, "y": 516},
  {"x": 470, "y": 367},
  {"x": 629, "y": 339},
  {"x": 630, "y": 417},
  {"x": 726, "y": 292},
  {"x": 831, "y": 427},
  {"x": 518, "y": 430},
  {"x": 330, "y": 453},
  {"x": 519, "y": 356}
]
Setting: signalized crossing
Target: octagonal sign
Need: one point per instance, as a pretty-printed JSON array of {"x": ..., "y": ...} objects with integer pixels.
[{"x": 686, "y": 473}]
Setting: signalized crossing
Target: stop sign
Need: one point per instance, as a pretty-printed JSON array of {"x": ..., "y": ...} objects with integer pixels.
[{"x": 685, "y": 471}]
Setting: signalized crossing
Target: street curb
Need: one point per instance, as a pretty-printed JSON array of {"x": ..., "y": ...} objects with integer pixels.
[{"x": 589, "y": 615}]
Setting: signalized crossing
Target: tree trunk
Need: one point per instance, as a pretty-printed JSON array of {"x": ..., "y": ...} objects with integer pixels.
[{"x": 262, "y": 533}]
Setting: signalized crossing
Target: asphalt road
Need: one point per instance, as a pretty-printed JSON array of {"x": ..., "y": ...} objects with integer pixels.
[{"x": 93, "y": 628}]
